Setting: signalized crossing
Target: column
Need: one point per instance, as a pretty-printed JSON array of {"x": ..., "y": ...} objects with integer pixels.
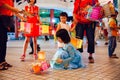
[
  {"x": 51, "y": 20},
  {"x": 16, "y": 27},
  {"x": 51, "y": 17}
]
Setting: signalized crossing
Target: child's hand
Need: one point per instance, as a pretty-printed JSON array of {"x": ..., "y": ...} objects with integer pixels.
[
  {"x": 66, "y": 65},
  {"x": 59, "y": 60}
]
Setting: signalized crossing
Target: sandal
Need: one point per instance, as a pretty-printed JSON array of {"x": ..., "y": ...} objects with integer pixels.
[
  {"x": 22, "y": 57},
  {"x": 6, "y": 64},
  {"x": 3, "y": 66},
  {"x": 35, "y": 56},
  {"x": 114, "y": 56},
  {"x": 91, "y": 60}
]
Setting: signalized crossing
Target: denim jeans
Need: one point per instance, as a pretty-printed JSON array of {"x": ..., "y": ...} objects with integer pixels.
[{"x": 112, "y": 45}]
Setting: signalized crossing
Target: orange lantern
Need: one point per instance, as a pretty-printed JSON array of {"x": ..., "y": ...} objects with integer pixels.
[
  {"x": 41, "y": 55},
  {"x": 36, "y": 69}
]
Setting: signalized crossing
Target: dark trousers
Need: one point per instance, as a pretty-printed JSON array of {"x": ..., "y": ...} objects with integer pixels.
[
  {"x": 5, "y": 21},
  {"x": 31, "y": 44},
  {"x": 90, "y": 30},
  {"x": 112, "y": 45}
]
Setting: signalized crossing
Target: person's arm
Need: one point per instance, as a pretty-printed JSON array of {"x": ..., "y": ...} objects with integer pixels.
[
  {"x": 58, "y": 27},
  {"x": 70, "y": 51},
  {"x": 74, "y": 23},
  {"x": 21, "y": 17},
  {"x": 13, "y": 9}
]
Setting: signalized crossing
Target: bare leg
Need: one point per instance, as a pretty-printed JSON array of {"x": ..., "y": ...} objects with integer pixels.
[
  {"x": 25, "y": 45},
  {"x": 35, "y": 47}
]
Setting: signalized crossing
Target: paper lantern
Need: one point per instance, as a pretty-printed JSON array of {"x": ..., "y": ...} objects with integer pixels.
[
  {"x": 95, "y": 13},
  {"x": 41, "y": 55},
  {"x": 109, "y": 9},
  {"x": 26, "y": 27},
  {"x": 77, "y": 43},
  {"x": 36, "y": 68},
  {"x": 45, "y": 65}
]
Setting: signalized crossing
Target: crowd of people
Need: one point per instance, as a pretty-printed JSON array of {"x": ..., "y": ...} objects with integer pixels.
[{"x": 66, "y": 56}]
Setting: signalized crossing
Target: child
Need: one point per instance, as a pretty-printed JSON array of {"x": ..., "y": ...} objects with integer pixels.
[
  {"x": 112, "y": 34},
  {"x": 63, "y": 25},
  {"x": 35, "y": 21},
  {"x": 66, "y": 57}
]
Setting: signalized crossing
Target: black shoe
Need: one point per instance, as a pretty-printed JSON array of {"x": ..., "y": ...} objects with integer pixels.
[
  {"x": 106, "y": 43},
  {"x": 31, "y": 52},
  {"x": 38, "y": 48}
]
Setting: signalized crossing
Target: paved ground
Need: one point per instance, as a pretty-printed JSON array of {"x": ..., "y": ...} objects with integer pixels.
[{"x": 103, "y": 68}]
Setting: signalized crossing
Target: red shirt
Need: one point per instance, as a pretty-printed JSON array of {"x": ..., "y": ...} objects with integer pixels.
[
  {"x": 4, "y": 11},
  {"x": 82, "y": 3}
]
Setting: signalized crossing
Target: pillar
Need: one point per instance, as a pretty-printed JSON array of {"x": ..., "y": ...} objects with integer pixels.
[
  {"x": 51, "y": 21},
  {"x": 51, "y": 17},
  {"x": 16, "y": 27}
]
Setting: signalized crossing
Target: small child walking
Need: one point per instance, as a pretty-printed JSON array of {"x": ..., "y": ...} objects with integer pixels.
[
  {"x": 66, "y": 57},
  {"x": 112, "y": 34}
]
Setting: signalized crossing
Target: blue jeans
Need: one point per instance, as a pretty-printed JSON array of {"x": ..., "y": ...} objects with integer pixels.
[{"x": 112, "y": 45}]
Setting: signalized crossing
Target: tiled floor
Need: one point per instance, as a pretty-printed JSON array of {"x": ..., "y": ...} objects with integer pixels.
[{"x": 103, "y": 68}]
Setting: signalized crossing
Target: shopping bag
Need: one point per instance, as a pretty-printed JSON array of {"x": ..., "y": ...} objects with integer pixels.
[{"x": 77, "y": 43}]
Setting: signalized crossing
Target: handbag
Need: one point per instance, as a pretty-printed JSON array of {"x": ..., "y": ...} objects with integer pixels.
[{"x": 77, "y": 43}]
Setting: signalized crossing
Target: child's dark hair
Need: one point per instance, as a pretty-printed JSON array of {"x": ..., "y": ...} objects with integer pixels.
[
  {"x": 29, "y": 1},
  {"x": 64, "y": 14},
  {"x": 63, "y": 34}
]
